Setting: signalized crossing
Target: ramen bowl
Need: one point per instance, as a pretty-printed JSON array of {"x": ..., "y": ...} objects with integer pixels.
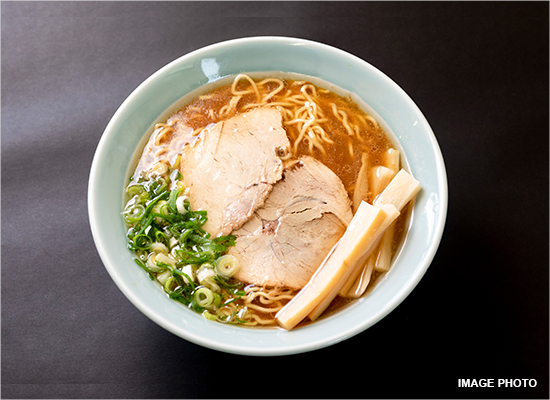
[{"x": 133, "y": 121}]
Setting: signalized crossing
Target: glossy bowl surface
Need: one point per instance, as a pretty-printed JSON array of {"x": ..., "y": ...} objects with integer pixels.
[{"x": 159, "y": 92}]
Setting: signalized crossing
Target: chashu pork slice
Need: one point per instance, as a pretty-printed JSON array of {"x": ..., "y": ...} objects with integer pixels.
[
  {"x": 288, "y": 238},
  {"x": 232, "y": 167}
]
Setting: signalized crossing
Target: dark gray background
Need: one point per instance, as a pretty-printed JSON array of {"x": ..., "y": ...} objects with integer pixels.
[{"x": 478, "y": 71}]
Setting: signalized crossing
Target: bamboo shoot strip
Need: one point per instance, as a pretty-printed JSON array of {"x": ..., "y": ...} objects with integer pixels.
[
  {"x": 402, "y": 189},
  {"x": 384, "y": 256},
  {"x": 380, "y": 178},
  {"x": 333, "y": 270},
  {"x": 368, "y": 249},
  {"x": 357, "y": 271},
  {"x": 392, "y": 160},
  {"x": 362, "y": 282},
  {"x": 362, "y": 185},
  {"x": 362, "y": 250},
  {"x": 380, "y": 260}
]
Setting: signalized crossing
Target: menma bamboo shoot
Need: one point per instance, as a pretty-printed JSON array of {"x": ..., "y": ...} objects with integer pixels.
[
  {"x": 380, "y": 178},
  {"x": 360, "y": 264},
  {"x": 362, "y": 249},
  {"x": 391, "y": 160},
  {"x": 402, "y": 189},
  {"x": 362, "y": 282},
  {"x": 365, "y": 223},
  {"x": 383, "y": 260},
  {"x": 361, "y": 190}
]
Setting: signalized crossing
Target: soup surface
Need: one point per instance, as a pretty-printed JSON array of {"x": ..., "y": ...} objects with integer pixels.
[{"x": 166, "y": 231}]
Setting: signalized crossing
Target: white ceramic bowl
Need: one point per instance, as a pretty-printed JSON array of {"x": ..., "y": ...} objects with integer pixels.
[{"x": 159, "y": 92}]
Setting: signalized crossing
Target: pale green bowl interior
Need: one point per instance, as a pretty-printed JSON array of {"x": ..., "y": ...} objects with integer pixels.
[{"x": 153, "y": 97}]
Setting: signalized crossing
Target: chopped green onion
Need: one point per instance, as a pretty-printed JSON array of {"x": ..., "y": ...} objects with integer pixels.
[
  {"x": 162, "y": 238},
  {"x": 144, "y": 267},
  {"x": 205, "y": 276},
  {"x": 185, "y": 279},
  {"x": 184, "y": 234},
  {"x": 154, "y": 265},
  {"x": 232, "y": 288},
  {"x": 166, "y": 259},
  {"x": 163, "y": 277},
  {"x": 172, "y": 247},
  {"x": 152, "y": 203},
  {"x": 170, "y": 282},
  {"x": 188, "y": 274},
  {"x": 172, "y": 201},
  {"x": 160, "y": 211},
  {"x": 180, "y": 204},
  {"x": 204, "y": 297},
  {"x": 137, "y": 190},
  {"x": 227, "y": 266},
  {"x": 142, "y": 241},
  {"x": 158, "y": 247},
  {"x": 162, "y": 186},
  {"x": 209, "y": 316},
  {"x": 134, "y": 213},
  {"x": 175, "y": 175}
]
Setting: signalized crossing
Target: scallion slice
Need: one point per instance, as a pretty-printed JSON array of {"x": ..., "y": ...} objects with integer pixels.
[
  {"x": 134, "y": 213},
  {"x": 204, "y": 297},
  {"x": 227, "y": 266},
  {"x": 142, "y": 241}
]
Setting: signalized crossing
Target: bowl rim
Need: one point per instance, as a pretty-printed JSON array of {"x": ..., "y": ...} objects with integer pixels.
[{"x": 288, "y": 348}]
